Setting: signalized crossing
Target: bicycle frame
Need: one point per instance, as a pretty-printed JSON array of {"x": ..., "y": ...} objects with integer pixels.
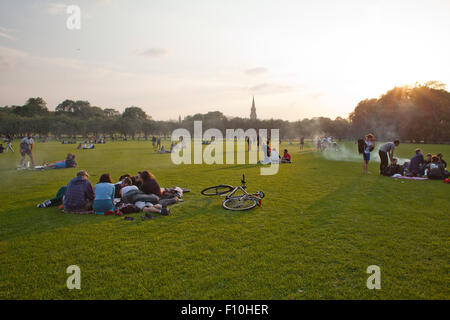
[{"x": 245, "y": 193}]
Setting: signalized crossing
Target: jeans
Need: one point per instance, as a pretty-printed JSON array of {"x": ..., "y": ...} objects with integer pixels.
[
  {"x": 103, "y": 205},
  {"x": 383, "y": 160}
]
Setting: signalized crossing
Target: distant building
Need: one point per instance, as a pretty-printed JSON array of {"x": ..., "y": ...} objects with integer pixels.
[
  {"x": 179, "y": 119},
  {"x": 253, "y": 110}
]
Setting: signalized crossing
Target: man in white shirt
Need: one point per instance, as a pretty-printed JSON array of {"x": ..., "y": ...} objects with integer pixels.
[
  {"x": 26, "y": 148},
  {"x": 274, "y": 156}
]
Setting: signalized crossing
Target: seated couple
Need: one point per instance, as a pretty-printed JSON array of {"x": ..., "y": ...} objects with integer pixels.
[
  {"x": 275, "y": 157},
  {"x": 68, "y": 163}
]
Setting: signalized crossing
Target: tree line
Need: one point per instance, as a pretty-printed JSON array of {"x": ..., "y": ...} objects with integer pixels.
[{"x": 411, "y": 113}]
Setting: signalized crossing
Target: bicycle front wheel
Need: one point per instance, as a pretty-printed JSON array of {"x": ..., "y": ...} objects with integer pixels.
[
  {"x": 239, "y": 203},
  {"x": 217, "y": 190}
]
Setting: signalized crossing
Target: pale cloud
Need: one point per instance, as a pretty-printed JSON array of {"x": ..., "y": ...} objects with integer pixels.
[
  {"x": 56, "y": 8},
  {"x": 154, "y": 52},
  {"x": 6, "y": 33},
  {"x": 10, "y": 58},
  {"x": 271, "y": 88},
  {"x": 256, "y": 71}
]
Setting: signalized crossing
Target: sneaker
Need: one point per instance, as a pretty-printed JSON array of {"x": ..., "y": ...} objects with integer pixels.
[
  {"x": 128, "y": 218},
  {"x": 147, "y": 216},
  {"x": 165, "y": 211},
  {"x": 44, "y": 204}
]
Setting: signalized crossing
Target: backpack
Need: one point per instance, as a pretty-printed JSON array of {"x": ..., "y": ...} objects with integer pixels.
[{"x": 361, "y": 146}]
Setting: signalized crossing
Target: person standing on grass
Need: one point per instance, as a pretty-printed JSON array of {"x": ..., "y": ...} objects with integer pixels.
[
  {"x": 302, "y": 142},
  {"x": 387, "y": 151},
  {"x": 369, "y": 145},
  {"x": 158, "y": 143},
  {"x": 26, "y": 148},
  {"x": 9, "y": 143}
]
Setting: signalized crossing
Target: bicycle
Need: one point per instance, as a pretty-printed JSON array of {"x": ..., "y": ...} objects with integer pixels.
[{"x": 246, "y": 201}]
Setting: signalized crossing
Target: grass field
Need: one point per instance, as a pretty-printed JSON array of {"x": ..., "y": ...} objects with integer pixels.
[{"x": 321, "y": 225}]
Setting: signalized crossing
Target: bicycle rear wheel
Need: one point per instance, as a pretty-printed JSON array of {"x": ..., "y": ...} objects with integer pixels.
[
  {"x": 217, "y": 190},
  {"x": 239, "y": 203}
]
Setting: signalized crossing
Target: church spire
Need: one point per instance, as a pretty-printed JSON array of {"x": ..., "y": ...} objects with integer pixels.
[{"x": 253, "y": 110}]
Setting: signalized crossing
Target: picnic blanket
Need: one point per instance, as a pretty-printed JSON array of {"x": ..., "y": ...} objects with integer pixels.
[{"x": 396, "y": 176}]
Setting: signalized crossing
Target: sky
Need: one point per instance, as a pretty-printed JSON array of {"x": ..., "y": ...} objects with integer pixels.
[{"x": 299, "y": 59}]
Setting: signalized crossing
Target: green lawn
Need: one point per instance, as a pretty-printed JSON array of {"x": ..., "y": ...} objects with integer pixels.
[{"x": 321, "y": 225}]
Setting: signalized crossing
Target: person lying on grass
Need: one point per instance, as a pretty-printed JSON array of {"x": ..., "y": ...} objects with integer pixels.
[
  {"x": 79, "y": 194},
  {"x": 56, "y": 201},
  {"x": 68, "y": 163},
  {"x": 104, "y": 194},
  {"x": 146, "y": 202},
  {"x": 163, "y": 150}
]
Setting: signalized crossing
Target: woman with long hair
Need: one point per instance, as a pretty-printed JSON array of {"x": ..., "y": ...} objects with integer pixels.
[
  {"x": 104, "y": 195},
  {"x": 369, "y": 145},
  {"x": 148, "y": 183}
]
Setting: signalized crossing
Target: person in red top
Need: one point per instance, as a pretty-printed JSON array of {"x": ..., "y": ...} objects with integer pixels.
[{"x": 286, "y": 157}]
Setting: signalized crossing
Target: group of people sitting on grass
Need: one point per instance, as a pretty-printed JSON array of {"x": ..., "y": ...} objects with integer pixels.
[
  {"x": 131, "y": 194},
  {"x": 86, "y": 146},
  {"x": 432, "y": 167}
]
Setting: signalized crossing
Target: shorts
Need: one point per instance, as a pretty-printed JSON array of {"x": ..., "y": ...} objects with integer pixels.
[
  {"x": 25, "y": 152},
  {"x": 366, "y": 156},
  {"x": 60, "y": 165}
]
